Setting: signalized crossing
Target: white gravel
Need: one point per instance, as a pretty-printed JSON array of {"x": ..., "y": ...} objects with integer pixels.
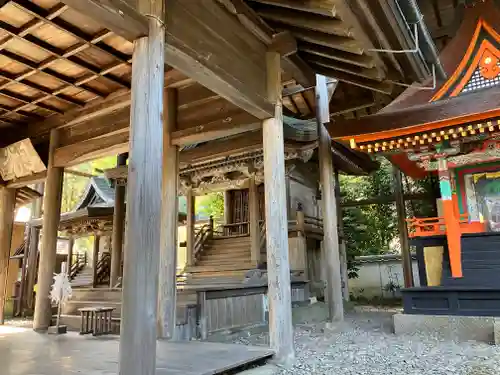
[{"x": 365, "y": 345}]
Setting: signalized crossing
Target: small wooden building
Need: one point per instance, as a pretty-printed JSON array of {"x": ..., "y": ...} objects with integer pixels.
[{"x": 450, "y": 130}]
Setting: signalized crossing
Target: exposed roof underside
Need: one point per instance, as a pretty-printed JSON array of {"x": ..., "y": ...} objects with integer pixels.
[{"x": 62, "y": 69}]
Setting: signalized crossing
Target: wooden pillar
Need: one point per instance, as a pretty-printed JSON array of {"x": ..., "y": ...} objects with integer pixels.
[
  {"x": 167, "y": 283},
  {"x": 403, "y": 231},
  {"x": 278, "y": 265},
  {"x": 33, "y": 248},
  {"x": 69, "y": 260},
  {"x": 118, "y": 228},
  {"x": 333, "y": 292},
  {"x": 227, "y": 207},
  {"x": 253, "y": 208},
  {"x": 344, "y": 273},
  {"x": 7, "y": 207},
  {"x": 451, "y": 218},
  {"x": 21, "y": 302},
  {"x": 142, "y": 246},
  {"x": 190, "y": 198},
  {"x": 48, "y": 251},
  {"x": 95, "y": 259}
]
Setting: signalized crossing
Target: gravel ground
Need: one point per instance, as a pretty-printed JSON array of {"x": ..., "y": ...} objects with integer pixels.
[{"x": 365, "y": 345}]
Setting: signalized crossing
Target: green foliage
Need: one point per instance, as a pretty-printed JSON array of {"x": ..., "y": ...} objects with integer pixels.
[
  {"x": 373, "y": 229},
  {"x": 211, "y": 205}
]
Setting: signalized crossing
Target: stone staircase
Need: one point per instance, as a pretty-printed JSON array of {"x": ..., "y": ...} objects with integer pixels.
[
  {"x": 101, "y": 297},
  {"x": 223, "y": 260},
  {"x": 82, "y": 278}
]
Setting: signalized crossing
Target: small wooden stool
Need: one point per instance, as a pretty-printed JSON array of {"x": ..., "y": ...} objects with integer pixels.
[{"x": 96, "y": 320}]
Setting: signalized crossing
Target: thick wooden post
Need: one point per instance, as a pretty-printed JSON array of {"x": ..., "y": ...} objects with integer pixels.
[
  {"x": 7, "y": 207},
  {"x": 48, "y": 251},
  {"x": 403, "y": 230},
  {"x": 227, "y": 207},
  {"x": 95, "y": 259},
  {"x": 333, "y": 293},
  {"x": 142, "y": 246},
  {"x": 169, "y": 217},
  {"x": 344, "y": 273},
  {"x": 118, "y": 228},
  {"x": 278, "y": 265},
  {"x": 190, "y": 198},
  {"x": 34, "y": 234},
  {"x": 253, "y": 208},
  {"x": 69, "y": 259}
]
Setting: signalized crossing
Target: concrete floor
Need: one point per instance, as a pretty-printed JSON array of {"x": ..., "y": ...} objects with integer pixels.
[{"x": 24, "y": 352}]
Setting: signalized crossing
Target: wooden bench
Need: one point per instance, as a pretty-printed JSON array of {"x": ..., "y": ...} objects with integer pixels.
[{"x": 96, "y": 320}]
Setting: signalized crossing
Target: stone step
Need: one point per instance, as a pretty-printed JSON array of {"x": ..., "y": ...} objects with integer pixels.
[
  {"x": 240, "y": 274},
  {"x": 223, "y": 267}
]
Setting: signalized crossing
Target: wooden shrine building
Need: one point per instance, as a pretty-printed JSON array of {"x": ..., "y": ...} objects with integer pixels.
[
  {"x": 172, "y": 81},
  {"x": 451, "y": 130}
]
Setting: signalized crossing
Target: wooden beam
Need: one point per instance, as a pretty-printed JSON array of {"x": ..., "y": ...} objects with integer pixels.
[
  {"x": 284, "y": 44},
  {"x": 217, "y": 150},
  {"x": 333, "y": 291},
  {"x": 118, "y": 16},
  {"x": 453, "y": 111},
  {"x": 370, "y": 73},
  {"x": 383, "y": 87},
  {"x": 292, "y": 63},
  {"x": 118, "y": 228},
  {"x": 321, "y": 7},
  {"x": 7, "y": 208},
  {"x": 308, "y": 21},
  {"x": 167, "y": 282},
  {"x": 278, "y": 265},
  {"x": 335, "y": 42},
  {"x": 51, "y": 214},
  {"x": 232, "y": 125},
  {"x": 388, "y": 199},
  {"x": 359, "y": 60},
  {"x": 27, "y": 180},
  {"x": 110, "y": 144},
  {"x": 209, "y": 44},
  {"x": 138, "y": 331}
]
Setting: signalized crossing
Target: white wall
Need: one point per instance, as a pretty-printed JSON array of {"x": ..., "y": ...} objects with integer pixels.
[{"x": 376, "y": 272}]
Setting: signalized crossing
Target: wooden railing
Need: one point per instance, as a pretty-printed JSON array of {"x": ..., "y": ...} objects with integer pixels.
[
  {"x": 78, "y": 263},
  {"x": 103, "y": 268},
  {"x": 313, "y": 221},
  {"x": 204, "y": 233},
  {"x": 234, "y": 229},
  {"x": 434, "y": 226}
]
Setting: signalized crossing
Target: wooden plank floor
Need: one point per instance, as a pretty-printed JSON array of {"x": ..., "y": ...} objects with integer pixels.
[{"x": 24, "y": 352}]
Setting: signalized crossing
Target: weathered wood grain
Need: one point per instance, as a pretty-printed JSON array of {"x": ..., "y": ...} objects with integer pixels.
[
  {"x": 117, "y": 15},
  {"x": 209, "y": 44},
  {"x": 333, "y": 292},
  {"x": 95, "y": 259},
  {"x": 7, "y": 206},
  {"x": 51, "y": 214},
  {"x": 140, "y": 279},
  {"x": 167, "y": 289},
  {"x": 118, "y": 228},
  {"x": 278, "y": 266},
  {"x": 253, "y": 208}
]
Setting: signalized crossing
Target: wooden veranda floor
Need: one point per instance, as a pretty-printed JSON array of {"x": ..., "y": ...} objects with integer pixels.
[{"x": 24, "y": 352}]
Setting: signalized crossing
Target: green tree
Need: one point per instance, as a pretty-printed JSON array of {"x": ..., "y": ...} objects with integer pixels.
[{"x": 211, "y": 205}]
